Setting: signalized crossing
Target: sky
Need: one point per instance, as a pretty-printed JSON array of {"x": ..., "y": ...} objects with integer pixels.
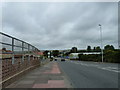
[{"x": 61, "y": 25}]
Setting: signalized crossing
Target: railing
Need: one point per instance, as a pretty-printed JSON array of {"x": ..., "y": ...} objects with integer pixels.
[{"x": 16, "y": 56}]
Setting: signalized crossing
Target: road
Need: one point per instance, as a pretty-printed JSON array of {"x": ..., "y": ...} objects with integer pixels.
[{"x": 90, "y": 74}]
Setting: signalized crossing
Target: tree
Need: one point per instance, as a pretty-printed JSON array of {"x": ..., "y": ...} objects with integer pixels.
[
  {"x": 117, "y": 56},
  {"x": 74, "y": 50},
  {"x": 46, "y": 53},
  {"x": 67, "y": 54},
  {"x": 109, "y": 55},
  {"x": 94, "y": 48},
  {"x": 98, "y": 49},
  {"x": 89, "y": 48},
  {"x": 112, "y": 56},
  {"x": 109, "y": 47},
  {"x": 55, "y": 53}
]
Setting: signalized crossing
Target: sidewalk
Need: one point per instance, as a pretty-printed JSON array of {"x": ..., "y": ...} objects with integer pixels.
[{"x": 47, "y": 76}]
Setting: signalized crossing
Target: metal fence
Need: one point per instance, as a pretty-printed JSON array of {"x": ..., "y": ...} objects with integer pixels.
[{"x": 14, "y": 46}]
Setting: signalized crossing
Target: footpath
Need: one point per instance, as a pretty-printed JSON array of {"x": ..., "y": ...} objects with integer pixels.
[{"x": 47, "y": 76}]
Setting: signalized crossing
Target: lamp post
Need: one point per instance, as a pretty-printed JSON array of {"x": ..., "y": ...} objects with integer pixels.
[{"x": 101, "y": 40}]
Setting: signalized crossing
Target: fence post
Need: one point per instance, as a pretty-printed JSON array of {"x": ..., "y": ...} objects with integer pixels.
[
  {"x": 29, "y": 53},
  {"x": 33, "y": 52},
  {"x": 13, "y": 59},
  {"x": 22, "y": 51}
]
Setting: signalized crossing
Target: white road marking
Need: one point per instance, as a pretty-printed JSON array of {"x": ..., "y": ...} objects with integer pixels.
[
  {"x": 106, "y": 68},
  {"x": 113, "y": 69}
]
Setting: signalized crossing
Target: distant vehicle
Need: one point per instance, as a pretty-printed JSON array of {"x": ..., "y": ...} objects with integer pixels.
[
  {"x": 55, "y": 59},
  {"x": 62, "y": 59}
]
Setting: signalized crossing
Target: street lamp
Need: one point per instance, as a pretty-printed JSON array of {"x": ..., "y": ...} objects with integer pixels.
[{"x": 101, "y": 40}]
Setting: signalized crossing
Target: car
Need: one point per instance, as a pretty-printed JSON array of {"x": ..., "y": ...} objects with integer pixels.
[
  {"x": 55, "y": 59},
  {"x": 62, "y": 59}
]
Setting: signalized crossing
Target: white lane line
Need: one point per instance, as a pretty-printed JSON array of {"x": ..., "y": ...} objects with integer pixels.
[
  {"x": 113, "y": 69},
  {"x": 105, "y": 68}
]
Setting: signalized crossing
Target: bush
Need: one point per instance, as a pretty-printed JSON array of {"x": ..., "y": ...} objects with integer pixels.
[
  {"x": 112, "y": 56},
  {"x": 91, "y": 57}
]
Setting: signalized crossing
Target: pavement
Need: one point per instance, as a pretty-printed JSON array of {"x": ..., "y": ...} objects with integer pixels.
[
  {"x": 47, "y": 76},
  {"x": 84, "y": 74}
]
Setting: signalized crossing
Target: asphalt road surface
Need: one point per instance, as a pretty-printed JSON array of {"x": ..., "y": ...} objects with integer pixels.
[{"x": 84, "y": 74}]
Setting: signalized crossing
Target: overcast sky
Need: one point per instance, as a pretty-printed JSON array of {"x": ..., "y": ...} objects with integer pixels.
[{"x": 62, "y": 25}]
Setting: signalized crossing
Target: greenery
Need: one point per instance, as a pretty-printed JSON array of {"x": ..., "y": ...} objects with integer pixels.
[
  {"x": 109, "y": 47},
  {"x": 89, "y": 48},
  {"x": 74, "y": 50},
  {"x": 55, "y": 53},
  {"x": 90, "y": 57},
  {"x": 110, "y": 55},
  {"x": 46, "y": 53},
  {"x": 97, "y": 49}
]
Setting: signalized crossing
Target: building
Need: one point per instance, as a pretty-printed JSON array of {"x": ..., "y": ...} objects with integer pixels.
[{"x": 75, "y": 55}]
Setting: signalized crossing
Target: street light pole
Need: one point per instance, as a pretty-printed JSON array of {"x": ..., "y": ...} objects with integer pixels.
[{"x": 101, "y": 40}]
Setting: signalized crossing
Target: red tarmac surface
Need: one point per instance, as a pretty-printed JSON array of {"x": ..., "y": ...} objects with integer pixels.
[
  {"x": 51, "y": 84},
  {"x": 55, "y": 70}
]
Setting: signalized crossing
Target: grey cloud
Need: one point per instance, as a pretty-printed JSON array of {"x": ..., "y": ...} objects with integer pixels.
[{"x": 61, "y": 25}]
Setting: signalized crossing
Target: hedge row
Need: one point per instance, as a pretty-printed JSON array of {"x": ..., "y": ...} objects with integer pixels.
[{"x": 112, "y": 56}]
